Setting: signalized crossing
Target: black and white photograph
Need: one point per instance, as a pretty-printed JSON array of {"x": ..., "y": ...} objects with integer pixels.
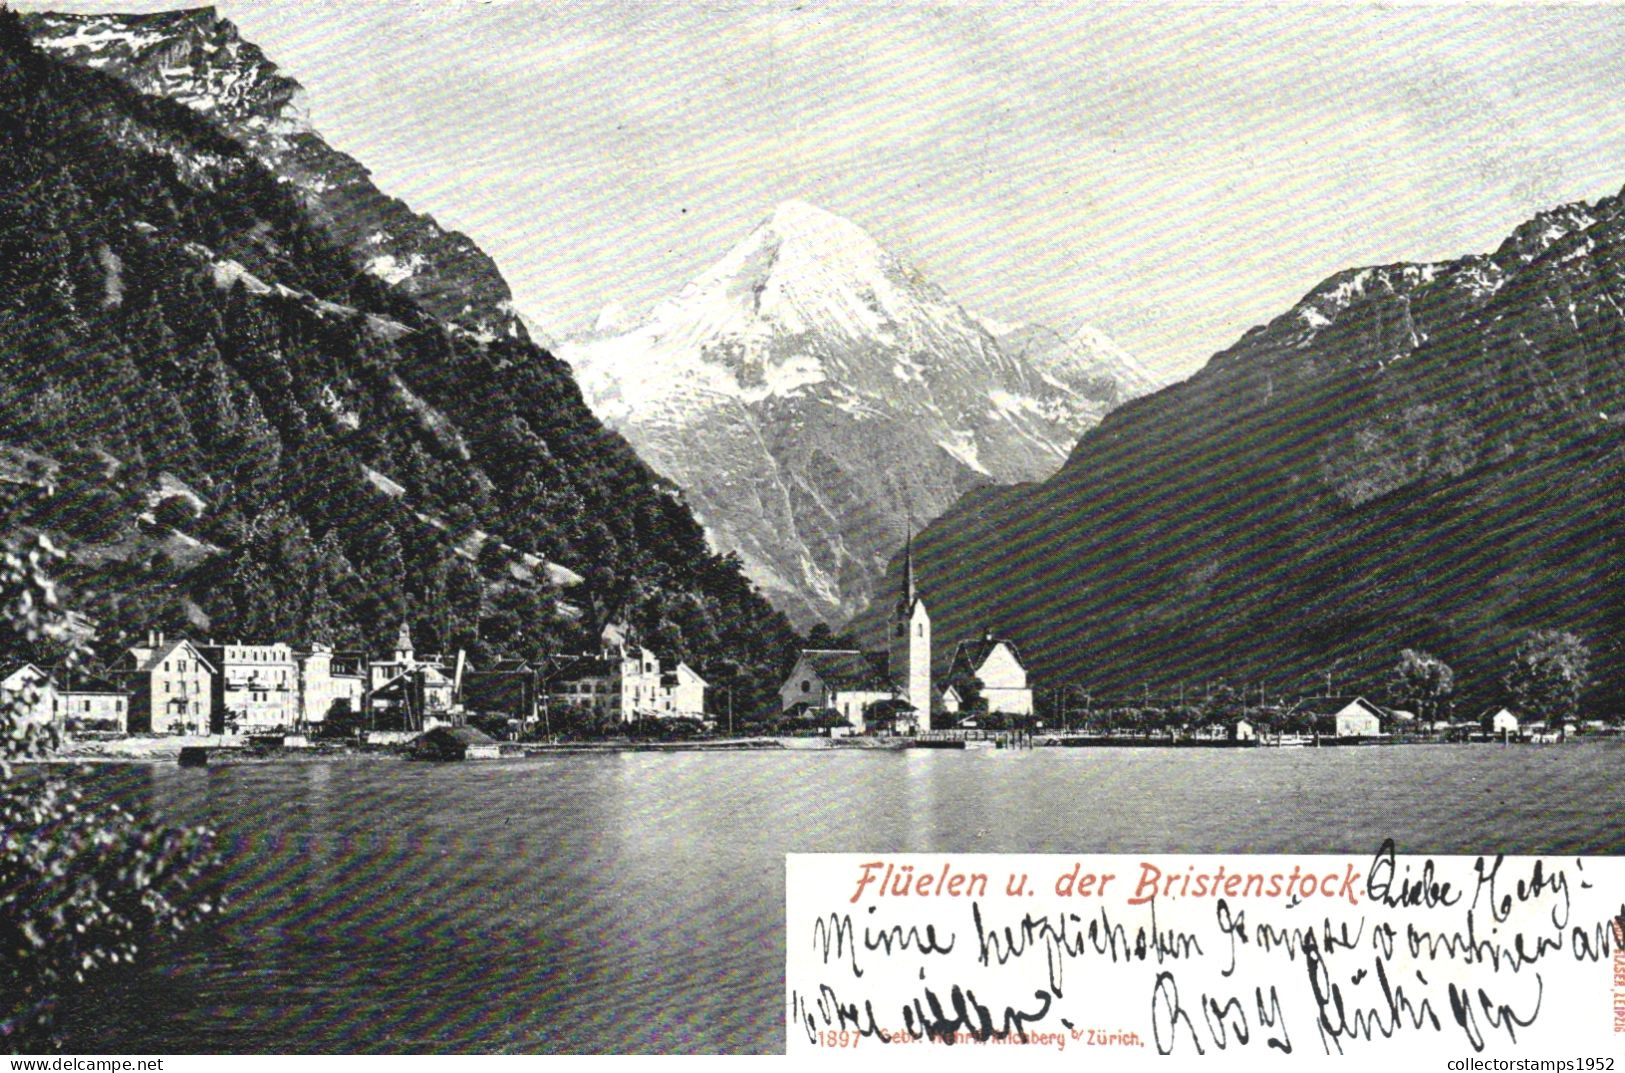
[{"x": 482, "y": 484}]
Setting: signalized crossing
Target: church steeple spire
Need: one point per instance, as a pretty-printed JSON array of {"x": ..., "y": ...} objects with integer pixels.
[
  {"x": 909, "y": 594},
  {"x": 909, "y": 654},
  {"x": 403, "y": 644}
]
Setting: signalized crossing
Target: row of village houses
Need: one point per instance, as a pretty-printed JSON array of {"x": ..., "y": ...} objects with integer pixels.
[
  {"x": 180, "y": 686},
  {"x": 891, "y": 689}
]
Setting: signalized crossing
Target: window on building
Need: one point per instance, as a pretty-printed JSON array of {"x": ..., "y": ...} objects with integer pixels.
[{"x": 806, "y": 686}]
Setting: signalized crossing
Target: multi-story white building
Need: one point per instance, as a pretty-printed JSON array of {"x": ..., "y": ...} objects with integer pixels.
[
  {"x": 327, "y": 677},
  {"x": 171, "y": 687},
  {"x": 256, "y": 687},
  {"x": 408, "y": 689},
  {"x": 95, "y": 706},
  {"x": 626, "y": 683}
]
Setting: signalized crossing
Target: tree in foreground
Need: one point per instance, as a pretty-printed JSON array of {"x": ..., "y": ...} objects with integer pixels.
[
  {"x": 83, "y": 886},
  {"x": 1422, "y": 682},
  {"x": 1548, "y": 675}
]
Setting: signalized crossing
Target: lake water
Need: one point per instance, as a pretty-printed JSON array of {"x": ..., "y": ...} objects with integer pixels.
[{"x": 634, "y": 901}]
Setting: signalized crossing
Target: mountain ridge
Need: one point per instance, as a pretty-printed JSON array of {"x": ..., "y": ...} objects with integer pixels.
[
  {"x": 1408, "y": 456},
  {"x": 198, "y": 59}
]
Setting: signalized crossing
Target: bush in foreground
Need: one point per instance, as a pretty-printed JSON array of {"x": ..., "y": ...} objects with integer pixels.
[{"x": 82, "y": 886}]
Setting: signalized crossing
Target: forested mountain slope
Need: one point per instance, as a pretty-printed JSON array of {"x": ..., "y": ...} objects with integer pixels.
[
  {"x": 316, "y": 455},
  {"x": 1413, "y": 455}
]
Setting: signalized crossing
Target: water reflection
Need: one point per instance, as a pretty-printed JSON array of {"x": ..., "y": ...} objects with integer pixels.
[{"x": 633, "y": 902}]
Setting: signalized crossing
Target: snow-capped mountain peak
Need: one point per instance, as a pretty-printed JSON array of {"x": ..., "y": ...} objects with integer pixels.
[
  {"x": 812, "y": 395},
  {"x": 801, "y": 270}
]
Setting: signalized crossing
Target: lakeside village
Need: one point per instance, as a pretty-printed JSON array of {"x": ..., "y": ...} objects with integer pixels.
[{"x": 186, "y": 698}]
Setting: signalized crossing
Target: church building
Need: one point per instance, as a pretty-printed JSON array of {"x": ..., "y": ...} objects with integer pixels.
[
  {"x": 909, "y": 651},
  {"x": 991, "y": 669},
  {"x": 860, "y": 685}
]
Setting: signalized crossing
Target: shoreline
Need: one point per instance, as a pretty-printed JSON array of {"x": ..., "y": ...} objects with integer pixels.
[{"x": 229, "y": 752}]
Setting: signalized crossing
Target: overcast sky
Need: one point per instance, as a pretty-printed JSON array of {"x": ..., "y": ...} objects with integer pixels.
[{"x": 1172, "y": 175}]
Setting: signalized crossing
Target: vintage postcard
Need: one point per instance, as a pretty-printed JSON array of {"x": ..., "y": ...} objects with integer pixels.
[{"x": 620, "y": 527}]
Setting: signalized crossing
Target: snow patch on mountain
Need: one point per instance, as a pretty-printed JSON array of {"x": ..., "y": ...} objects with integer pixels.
[{"x": 393, "y": 270}]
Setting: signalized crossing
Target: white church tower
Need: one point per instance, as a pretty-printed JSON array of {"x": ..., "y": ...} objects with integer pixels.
[{"x": 909, "y": 650}]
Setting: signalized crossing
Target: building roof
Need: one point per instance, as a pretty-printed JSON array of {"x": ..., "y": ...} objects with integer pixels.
[
  {"x": 849, "y": 669},
  {"x": 1333, "y": 705},
  {"x": 575, "y": 668},
  {"x": 969, "y": 656},
  {"x": 676, "y": 675},
  {"x": 507, "y": 666},
  {"x": 9, "y": 669},
  {"x": 147, "y": 657},
  {"x": 93, "y": 685},
  {"x": 450, "y": 742},
  {"x": 460, "y": 735}
]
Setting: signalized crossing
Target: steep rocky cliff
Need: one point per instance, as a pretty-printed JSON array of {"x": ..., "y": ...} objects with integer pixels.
[{"x": 198, "y": 59}]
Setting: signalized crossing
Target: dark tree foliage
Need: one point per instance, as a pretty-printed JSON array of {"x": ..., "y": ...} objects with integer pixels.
[
  {"x": 351, "y": 450},
  {"x": 1548, "y": 674},
  {"x": 83, "y": 886}
]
